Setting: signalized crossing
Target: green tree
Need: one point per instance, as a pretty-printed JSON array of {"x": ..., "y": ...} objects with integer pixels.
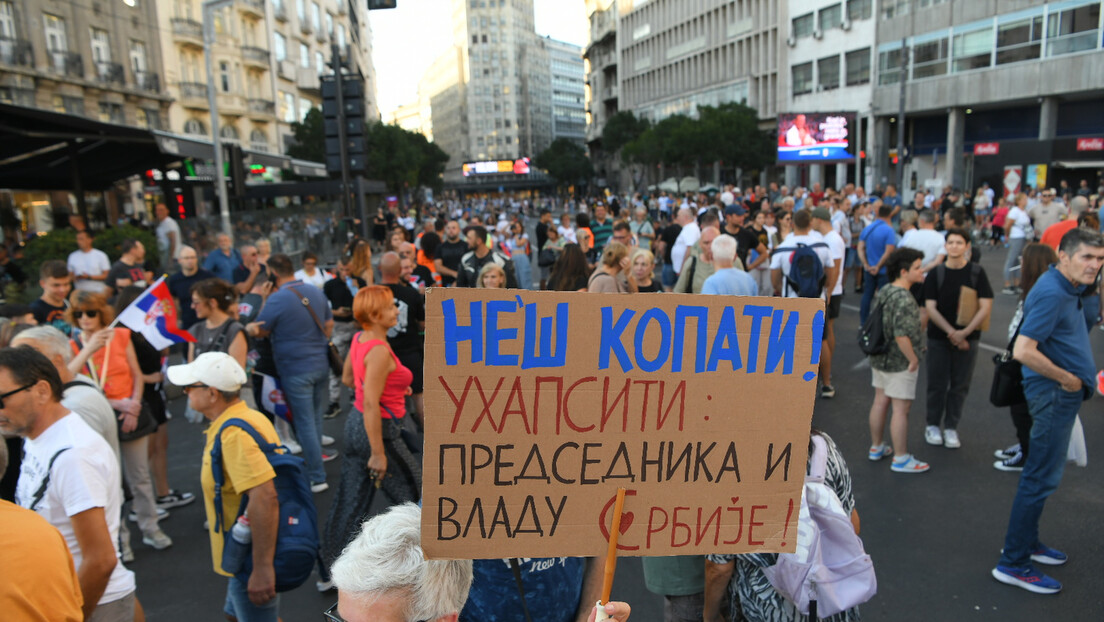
[
  {"x": 621, "y": 129},
  {"x": 432, "y": 162},
  {"x": 393, "y": 158},
  {"x": 735, "y": 137},
  {"x": 310, "y": 138},
  {"x": 566, "y": 162}
]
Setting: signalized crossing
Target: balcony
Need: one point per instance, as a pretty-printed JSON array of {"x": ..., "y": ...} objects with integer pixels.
[
  {"x": 66, "y": 63},
  {"x": 304, "y": 25},
  {"x": 610, "y": 92},
  {"x": 16, "y": 53},
  {"x": 193, "y": 95},
  {"x": 147, "y": 81},
  {"x": 187, "y": 31},
  {"x": 279, "y": 11},
  {"x": 110, "y": 73},
  {"x": 320, "y": 35},
  {"x": 255, "y": 57},
  {"x": 307, "y": 79},
  {"x": 262, "y": 108},
  {"x": 254, "y": 8},
  {"x": 232, "y": 105}
]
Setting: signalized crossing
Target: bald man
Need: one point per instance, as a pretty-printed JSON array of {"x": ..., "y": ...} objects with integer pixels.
[
  {"x": 406, "y": 337},
  {"x": 180, "y": 285}
]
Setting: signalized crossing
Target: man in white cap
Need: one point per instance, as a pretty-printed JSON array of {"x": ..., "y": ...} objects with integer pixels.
[{"x": 213, "y": 382}]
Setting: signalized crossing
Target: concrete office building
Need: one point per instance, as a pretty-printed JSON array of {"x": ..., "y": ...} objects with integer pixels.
[
  {"x": 491, "y": 93},
  {"x": 565, "y": 68},
  {"x": 267, "y": 59},
  {"x": 600, "y": 59},
  {"x": 415, "y": 117},
  {"x": 97, "y": 60},
  {"x": 991, "y": 85}
]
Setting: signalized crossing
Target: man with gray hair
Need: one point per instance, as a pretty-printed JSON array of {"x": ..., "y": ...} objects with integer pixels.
[
  {"x": 726, "y": 278},
  {"x": 925, "y": 239},
  {"x": 383, "y": 575}
]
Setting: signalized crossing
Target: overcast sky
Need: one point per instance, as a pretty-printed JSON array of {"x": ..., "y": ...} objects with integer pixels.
[{"x": 408, "y": 38}]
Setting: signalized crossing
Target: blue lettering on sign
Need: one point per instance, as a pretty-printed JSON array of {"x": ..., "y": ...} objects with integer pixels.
[
  {"x": 756, "y": 313},
  {"x": 781, "y": 344},
  {"x": 455, "y": 334},
  {"x": 496, "y": 335},
  {"x": 547, "y": 357},
  {"x": 681, "y": 315},
  {"x": 726, "y": 346},
  {"x": 610, "y": 339},
  {"x": 664, "y": 323}
]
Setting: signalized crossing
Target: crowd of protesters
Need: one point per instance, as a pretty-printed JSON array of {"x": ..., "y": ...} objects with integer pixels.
[{"x": 262, "y": 319}]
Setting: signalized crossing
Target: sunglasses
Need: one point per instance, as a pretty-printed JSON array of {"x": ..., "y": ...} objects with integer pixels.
[
  {"x": 78, "y": 314},
  {"x": 189, "y": 387},
  {"x": 13, "y": 392}
]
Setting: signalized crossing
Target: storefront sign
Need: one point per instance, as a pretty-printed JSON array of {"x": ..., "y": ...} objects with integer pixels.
[
  {"x": 984, "y": 149},
  {"x": 1090, "y": 144}
]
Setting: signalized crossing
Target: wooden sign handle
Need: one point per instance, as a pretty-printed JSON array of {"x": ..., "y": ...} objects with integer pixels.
[{"x": 611, "y": 555}]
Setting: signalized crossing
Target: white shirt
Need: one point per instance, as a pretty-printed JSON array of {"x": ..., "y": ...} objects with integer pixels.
[
  {"x": 927, "y": 241},
  {"x": 82, "y": 265},
  {"x": 318, "y": 279},
  {"x": 781, "y": 261},
  {"x": 567, "y": 233},
  {"x": 86, "y": 399},
  {"x": 1021, "y": 224},
  {"x": 164, "y": 228},
  {"x": 837, "y": 250},
  {"x": 84, "y": 477},
  {"x": 689, "y": 236},
  {"x": 842, "y": 226}
]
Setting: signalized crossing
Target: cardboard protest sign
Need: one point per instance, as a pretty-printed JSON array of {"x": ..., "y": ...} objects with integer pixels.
[{"x": 540, "y": 404}]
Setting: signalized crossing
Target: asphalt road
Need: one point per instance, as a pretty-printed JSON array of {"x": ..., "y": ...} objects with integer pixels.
[{"x": 933, "y": 537}]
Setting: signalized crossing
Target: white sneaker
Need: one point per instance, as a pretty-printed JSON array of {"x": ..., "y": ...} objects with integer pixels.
[
  {"x": 162, "y": 514},
  {"x": 294, "y": 447},
  {"x": 317, "y": 487},
  {"x": 950, "y": 439},
  {"x": 157, "y": 539},
  {"x": 932, "y": 435},
  {"x": 126, "y": 553},
  {"x": 327, "y": 440}
]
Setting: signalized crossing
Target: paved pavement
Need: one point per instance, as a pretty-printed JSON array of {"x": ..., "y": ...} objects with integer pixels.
[{"x": 934, "y": 537}]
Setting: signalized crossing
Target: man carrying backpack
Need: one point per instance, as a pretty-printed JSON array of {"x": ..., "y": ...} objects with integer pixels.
[
  {"x": 212, "y": 383},
  {"x": 802, "y": 265}
]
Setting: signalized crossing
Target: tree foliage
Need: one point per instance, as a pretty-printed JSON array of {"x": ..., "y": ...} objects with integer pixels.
[
  {"x": 310, "y": 138},
  {"x": 621, "y": 129},
  {"x": 566, "y": 162},
  {"x": 728, "y": 133}
]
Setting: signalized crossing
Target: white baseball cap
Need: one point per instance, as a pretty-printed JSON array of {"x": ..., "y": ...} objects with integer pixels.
[{"x": 214, "y": 369}]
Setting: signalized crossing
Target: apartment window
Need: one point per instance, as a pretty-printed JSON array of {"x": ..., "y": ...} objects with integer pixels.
[
  {"x": 7, "y": 20},
  {"x": 304, "y": 55},
  {"x": 277, "y": 6},
  {"x": 894, "y": 8},
  {"x": 301, "y": 10},
  {"x": 112, "y": 113},
  {"x": 972, "y": 50},
  {"x": 69, "y": 105},
  {"x": 341, "y": 36},
  {"x": 138, "y": 57},
  {"x": 889, "y": 66},
  {"x": 101, "y": 47},
  {"x": 1073, "y": 30},
  {"x": 195, "y": 127},
  {"x": 287, "y": 107},
  {"x": 258, "y": 140},
  {"x": 304, "y": 107},
  {"x": 1019, "y": 40},
  {"x": 281, "y": 47},
  {"x": 830, "y": 17},
  {"x": 329, "y": 23},
  {"x": 858, "y": 67},
  {"x": 229, "y": 132},
  {"x": 183, "y": 8},
  {"x": 56, "y": 41},
  {"x": 802, "y": 78},
  {"x": 858, "y": 9},
  {"x": 929, "y": 58},
  {"x": 803, "y": 26},
  {"x": 224, "y": 76},
  {"x": 828, "y": 73},
  {"x": 316, "y": 16}
]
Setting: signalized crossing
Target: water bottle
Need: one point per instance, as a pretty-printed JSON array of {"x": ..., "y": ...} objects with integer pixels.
[{"x": 238, "y": 547}]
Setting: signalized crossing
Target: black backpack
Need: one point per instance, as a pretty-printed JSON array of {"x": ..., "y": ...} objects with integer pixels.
[
  {"x": 872, "y": 337},
  {"x": 806, "y": 276}
]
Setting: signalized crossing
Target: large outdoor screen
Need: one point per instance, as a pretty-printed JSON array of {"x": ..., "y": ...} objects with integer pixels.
[
  {"x": 815, "y": 137},
  {"x": 490, "y": 167}
]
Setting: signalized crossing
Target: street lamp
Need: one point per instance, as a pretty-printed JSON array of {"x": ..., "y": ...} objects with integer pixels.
[{"x": 209, "y": 8}]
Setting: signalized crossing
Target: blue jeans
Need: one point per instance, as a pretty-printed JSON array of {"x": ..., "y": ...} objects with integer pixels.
[
  {"x": 668, "y": 276},
  {"x": 871, "y": 285},
  {"x": 306, "y": 395},
  {"x": 239, "y": 606},
  {"x": 1052, "y": 412}
]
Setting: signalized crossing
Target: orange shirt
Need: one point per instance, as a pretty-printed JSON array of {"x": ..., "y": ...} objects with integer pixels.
[
  {"x": 425, "y": 261},
  {"x": 1052, "y": 237},
  {"x": 37, "y": 578},
  {"x": 120, "y": 383}
]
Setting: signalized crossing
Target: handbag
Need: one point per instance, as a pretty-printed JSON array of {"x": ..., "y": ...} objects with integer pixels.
[
  {"x": 1007, "y": 387},
  {"x": 337, "y": 365},
  {"x": 409, "y": 437}
]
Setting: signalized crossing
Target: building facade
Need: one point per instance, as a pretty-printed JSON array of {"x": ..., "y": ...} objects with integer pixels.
[
  {"x": 97, "y": 60},
  {"x": 565, "y": 68}
]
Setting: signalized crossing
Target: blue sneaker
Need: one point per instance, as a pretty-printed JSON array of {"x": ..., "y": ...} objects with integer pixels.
[
  {"x": 1048, "y": 556},
  {"x": 1027, "y": 578},
  {"x": 879, "y": 452}
]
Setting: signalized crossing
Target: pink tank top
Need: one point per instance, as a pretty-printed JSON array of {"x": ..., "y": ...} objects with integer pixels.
[{"x": 394, "y": 390}]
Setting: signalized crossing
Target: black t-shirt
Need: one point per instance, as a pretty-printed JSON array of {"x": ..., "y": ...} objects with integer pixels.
[
  {"x": 120, "y": 270},
  {"x": 337, "y": 292},
  {"x": 650, "y": 289},
  {"x": 747, "y": 239},
  {"x": 946, "y": 297},
  {"x": 542, "y": 234},
  {"x": 405, "y": 336},
  {"x": 180, "y": 286},
  {"x": 450, "y": 254},
  {"x": 669, "y": 234},
  {"x": 47, "y": 314},
  {"x": 241, "y": 274},
  {"x": 421, "y": 276}
]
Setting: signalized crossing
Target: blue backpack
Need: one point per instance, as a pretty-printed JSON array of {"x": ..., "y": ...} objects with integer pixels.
[
  {"x": 297, "y": 542},
  {"x": 806, "y": 276}
]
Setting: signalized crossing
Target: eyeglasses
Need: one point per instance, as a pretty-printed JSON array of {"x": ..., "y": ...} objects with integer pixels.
[
  {"x": 79, "y": 313},
  {"x": 13, "y": 392},
  {"x": 332, "y": 616},
  {"x": 189, "y": 387}
]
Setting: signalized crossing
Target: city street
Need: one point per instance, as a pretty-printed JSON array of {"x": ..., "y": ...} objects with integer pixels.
[{"x": 934, "y": 537}]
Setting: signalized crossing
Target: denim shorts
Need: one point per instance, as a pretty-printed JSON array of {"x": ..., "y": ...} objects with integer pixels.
[{"x": 852, "y": 258}]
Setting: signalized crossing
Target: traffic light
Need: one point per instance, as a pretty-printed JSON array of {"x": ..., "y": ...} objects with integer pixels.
[
  {"x": 343, "y": 112},
  {"x": 381, "y": 4}
]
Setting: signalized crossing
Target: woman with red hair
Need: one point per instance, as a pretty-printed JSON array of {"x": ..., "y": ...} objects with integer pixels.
[{"x": 376, "y": 456}]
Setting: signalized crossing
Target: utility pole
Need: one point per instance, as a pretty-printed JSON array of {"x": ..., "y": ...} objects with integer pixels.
[
  {"x": 901, "y": 117},
  {"x": 209, "y": 8}
]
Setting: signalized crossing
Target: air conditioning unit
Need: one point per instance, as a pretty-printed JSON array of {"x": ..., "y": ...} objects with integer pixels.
[
  {"x": 845, "y": 24},
  {"x": 790, "y": 41},
  {"x": 817, "y": 33}
]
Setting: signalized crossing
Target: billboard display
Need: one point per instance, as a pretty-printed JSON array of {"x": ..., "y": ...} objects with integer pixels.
[
  {"x": 815, "y": 137},
  {"x": 493, "y": 167}
]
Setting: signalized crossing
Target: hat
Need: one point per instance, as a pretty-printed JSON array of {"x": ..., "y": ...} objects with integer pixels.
[
  {"x": 735, "y": 209},
  {"x": 217, "y": 370},
  {"x": 822, "y": 213}
]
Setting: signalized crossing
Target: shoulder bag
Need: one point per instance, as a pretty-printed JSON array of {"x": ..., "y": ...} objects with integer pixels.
[
  {"x": 1007, "y": 387},
  {"x": 337, "y": 365}
]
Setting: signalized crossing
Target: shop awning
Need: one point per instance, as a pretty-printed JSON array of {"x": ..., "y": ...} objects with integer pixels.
[{"x": 1079, "y": 164}]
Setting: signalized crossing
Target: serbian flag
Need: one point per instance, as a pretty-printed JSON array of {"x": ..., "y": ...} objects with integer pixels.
[
  {"x": 272, "y": 397},
  {"x": 153, "y": 315}
]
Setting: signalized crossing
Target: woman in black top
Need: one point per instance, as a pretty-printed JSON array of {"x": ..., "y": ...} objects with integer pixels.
[{"x": 570, "y": 272}]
